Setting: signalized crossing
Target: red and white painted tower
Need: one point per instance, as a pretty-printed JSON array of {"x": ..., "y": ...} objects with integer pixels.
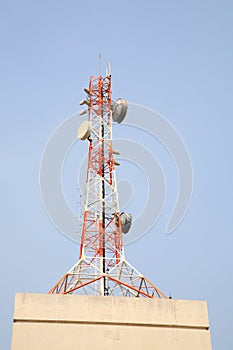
[{"x": 102, "y": 268}]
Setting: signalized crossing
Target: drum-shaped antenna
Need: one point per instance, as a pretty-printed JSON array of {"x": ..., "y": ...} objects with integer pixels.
[
  {"x": 84, "y": 130},
  {"x": 119, "y": 110}
]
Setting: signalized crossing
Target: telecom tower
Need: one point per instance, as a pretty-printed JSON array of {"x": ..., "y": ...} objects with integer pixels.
[{"x": 102, "y": 268}]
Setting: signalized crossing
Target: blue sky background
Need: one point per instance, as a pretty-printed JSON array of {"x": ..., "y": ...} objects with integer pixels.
[{"x": 173, "y": 56}]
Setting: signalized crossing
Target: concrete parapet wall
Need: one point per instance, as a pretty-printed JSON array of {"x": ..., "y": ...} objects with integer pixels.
[{"x": 59, "y": 322}]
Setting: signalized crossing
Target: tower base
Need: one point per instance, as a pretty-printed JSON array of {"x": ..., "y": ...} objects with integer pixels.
[
  {"x": 45, "y": 322},
  {"x": 122, "y": 279}
]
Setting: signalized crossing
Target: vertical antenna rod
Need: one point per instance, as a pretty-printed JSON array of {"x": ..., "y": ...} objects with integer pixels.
[{"x": 99, "y": 65}]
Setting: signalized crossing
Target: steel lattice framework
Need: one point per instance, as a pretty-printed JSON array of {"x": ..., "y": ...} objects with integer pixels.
[{"x": 102, "y": 268}]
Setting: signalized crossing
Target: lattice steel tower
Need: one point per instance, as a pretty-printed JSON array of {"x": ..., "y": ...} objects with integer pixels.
[{"x": 102, "y": 268}]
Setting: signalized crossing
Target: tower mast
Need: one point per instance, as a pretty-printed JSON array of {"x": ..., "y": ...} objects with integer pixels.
[{"x": 102, "y": 268}]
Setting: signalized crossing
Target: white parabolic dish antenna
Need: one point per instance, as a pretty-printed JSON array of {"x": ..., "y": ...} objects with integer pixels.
[
  {"x": 119, "y": 110},
  {"x": 126, "y": 221},
  {"x": 84, "y": 130}
]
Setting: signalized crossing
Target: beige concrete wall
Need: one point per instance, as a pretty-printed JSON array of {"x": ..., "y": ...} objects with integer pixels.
[{"x": 65, "y": 322}]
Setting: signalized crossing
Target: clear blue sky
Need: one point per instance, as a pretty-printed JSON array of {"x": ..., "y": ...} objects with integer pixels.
[{"x": 173, "y": 56}]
